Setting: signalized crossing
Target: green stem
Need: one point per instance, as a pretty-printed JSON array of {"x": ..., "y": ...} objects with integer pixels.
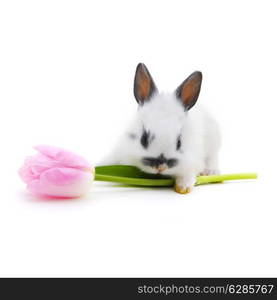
[
  {"x": 170, "y": 182},
  {"x": 224, "y": 177}
]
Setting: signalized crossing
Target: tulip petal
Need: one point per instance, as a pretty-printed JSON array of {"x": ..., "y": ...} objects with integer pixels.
[
  {"x": 64, "y": 157},
  {"x": 62, "y": 182},
  {"x": 26, "y": 174}
]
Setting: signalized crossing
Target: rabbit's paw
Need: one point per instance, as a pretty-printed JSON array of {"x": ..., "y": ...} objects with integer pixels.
[
  {"x": 184, "y": 186},
  {"x": 207, "y": 172},
  {"x": 182, "y": 190}
]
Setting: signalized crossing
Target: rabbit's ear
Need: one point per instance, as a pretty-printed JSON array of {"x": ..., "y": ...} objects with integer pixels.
[
  {"x": 189, "y": 90},
  {"x": 144, "y": 86}
]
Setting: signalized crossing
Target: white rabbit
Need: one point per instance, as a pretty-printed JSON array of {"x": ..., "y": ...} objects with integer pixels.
[{"x": 168, "y": 136}]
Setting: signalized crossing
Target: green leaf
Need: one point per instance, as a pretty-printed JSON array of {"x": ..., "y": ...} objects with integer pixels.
[
  {"x": 126, "y": 171},
  {"x": 131, "y": 175}
]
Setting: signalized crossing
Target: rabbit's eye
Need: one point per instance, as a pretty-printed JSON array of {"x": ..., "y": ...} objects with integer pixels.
[
  {"x": 145, "y": 139},
  {"x": 179, "y": 143}
]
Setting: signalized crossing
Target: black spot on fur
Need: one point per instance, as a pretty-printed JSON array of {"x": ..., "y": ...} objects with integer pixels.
[
  {"x": 157, "y": 161},
  {"x": 179, "y": 143},
  {"x": 172, "y": 162}
]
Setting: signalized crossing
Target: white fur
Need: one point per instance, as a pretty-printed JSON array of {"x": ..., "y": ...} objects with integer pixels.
[{"x": 164, "y": 116}]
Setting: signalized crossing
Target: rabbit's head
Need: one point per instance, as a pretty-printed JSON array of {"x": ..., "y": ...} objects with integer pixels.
[{"x": 157, "y": 138}]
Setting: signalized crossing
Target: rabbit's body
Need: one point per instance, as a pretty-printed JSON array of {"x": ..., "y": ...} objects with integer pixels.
[{"x": 166, "y": 138}]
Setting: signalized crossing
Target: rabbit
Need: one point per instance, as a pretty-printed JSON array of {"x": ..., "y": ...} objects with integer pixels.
[{"x": 170, "y": 136}]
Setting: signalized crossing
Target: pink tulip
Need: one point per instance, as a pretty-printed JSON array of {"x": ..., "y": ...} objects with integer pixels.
[{"x": 56, "y": 173}]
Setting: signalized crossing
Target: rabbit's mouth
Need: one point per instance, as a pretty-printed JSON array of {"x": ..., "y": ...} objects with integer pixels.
[{"x": 160, "y": 168}]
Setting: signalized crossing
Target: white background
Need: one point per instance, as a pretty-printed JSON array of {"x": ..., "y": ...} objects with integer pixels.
[{"x": 66, "y": 79}]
